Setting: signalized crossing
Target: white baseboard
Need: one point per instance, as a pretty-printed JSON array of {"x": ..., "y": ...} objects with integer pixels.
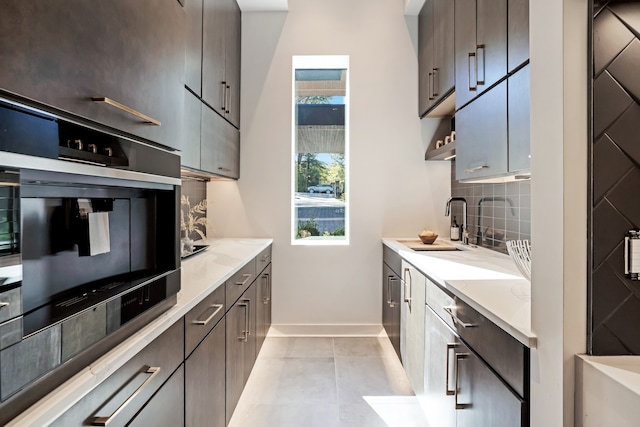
[{"x": 326, "y": 331}]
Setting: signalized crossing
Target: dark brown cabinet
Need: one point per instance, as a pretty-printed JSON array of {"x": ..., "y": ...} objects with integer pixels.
[
  {"x": 240, "y": 346},
  {"x": 263, "y": 306},
  {"x": 480, "y": 46},
  {"x": 190, "y": 155},
  {"x": 205, "y": 381},
  {"x": 221, "y": 58},
  {"x": 518, "y": 33},
  {"x": 391, "y": 294},
  {"x": 481, "y": 136},
  {"x": 166, "y": 407},
  {"x": 519, "y": 122},
  {"x": 67, "y": 56},
  {"x": 436, "y": 53},
  {"x": 193, "y": 50},
  {"x": 219, "y": 146}
]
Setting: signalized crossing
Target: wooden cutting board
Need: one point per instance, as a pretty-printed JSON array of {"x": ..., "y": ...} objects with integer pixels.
[{"x": 438, "y": 245}]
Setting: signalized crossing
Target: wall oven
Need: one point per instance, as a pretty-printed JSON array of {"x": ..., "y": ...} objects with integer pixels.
[{"x": 88, "y": 247}]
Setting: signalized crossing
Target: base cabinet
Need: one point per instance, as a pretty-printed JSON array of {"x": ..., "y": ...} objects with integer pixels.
[
  {"x": 241, "y": 346},
  {"x": 205, "y": 381},
  {"x": 263, "y": 307},
  {"x": 412, "y": 326},
  {"x": 166, "y": 407},
  {"x": 391, "y": 294}
]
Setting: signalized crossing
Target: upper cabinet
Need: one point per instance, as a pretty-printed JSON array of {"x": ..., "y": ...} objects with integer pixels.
[
  {"x": 436, "y": 55},
  {"x": 118, "y": 63},
  {"x": 193, "y": 51},
  {"x": 518, "y": 33},
  {"x": 480, "y": 46},
  {"x": 221, "y": 29}
]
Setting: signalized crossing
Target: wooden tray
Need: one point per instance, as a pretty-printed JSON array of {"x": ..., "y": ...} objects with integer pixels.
[{"x": 438, "y": 245}]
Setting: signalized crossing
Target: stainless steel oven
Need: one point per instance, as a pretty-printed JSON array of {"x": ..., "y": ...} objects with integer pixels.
[{"x": 88, "y": 247}]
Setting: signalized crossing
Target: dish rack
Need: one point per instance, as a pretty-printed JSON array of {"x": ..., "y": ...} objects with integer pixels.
[{"x": 520, "y": 251}]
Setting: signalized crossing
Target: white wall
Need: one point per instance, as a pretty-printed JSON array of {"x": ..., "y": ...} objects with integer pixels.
[
  {"x": 559, "y": 71},
  {"x": 394, "y": 192}
]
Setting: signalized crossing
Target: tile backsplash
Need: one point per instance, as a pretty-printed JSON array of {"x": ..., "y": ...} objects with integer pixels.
[
  {"x": 502, "y": 211},
  {"x": 193, "y": 192}
]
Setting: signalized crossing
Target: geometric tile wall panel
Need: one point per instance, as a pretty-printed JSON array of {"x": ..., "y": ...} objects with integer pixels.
[
  {"x": 605, "y": 154},
  {"x": 614, "y": 300},
  {"x": 611, "y": 36},
  {"x": 610, "y": 101}
]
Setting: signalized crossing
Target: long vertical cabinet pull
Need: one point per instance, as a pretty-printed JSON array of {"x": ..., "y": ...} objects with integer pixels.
[
  {"x": 227, "y": 98},
  {"x": 391, "y": 280},
  {"x": 224, "y": 96},
  {"x": 244, "y": 333},
  {"x": 247, "y": 318},
  {"x": 267, "y": 293},
  {"x": 449, "y": 392},
  {"x": 430, "y": 86},
  {"x": 473, "y": 71},
  {"x": 407, "y": 286},
  {"x": 459, "y": 357},
  {"x": 436, "y": 83},
  {"x": 480, "y": 64}
]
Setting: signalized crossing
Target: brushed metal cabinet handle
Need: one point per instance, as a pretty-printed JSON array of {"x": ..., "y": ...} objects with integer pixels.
[
  {"x": 435, "y": 83},
  {"x": 217, "y": 307},
  {"x": 459, "y": 357},
  {"x": 430, "y": 86},
  {"x": 267, "y": 283},
  {"x": 476, "y": 168},
  {"x": 247, "y": 319},
  {"x": 246, "y": 279},
  {"x": 103, "y": 421},
  {"x": 144, "y": 117},
  {"x": 227, "y": 99},
  {"x": 472, "y": 71},
  {"x": 407, "y": 285},
  {"x": 244, "y": 336},
  {"x": 4, "y": 304},
  {"x": 392, "y": 303},
  {"x": 456, "y": 319},
  {"x": 448, "y": 391},
  {"x": 224, "y": 96},
  {"x": 480, "y": 59}
]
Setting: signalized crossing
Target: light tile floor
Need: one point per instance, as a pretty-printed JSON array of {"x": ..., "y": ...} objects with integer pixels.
[{"x": 328, "y": 382}]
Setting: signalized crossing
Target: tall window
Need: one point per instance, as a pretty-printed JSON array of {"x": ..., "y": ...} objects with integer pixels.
[{"x": 320, "y": 150}]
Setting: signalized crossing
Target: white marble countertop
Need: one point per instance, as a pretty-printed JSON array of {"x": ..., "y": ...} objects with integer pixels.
[
  {"x": 486, "y": 280},
  {"x": 201, "y": 274}
]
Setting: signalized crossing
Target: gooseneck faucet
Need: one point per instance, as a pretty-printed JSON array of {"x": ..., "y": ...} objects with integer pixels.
[
  {"x": 479, "y": 234},
  {"x": 447, "y": 211}
]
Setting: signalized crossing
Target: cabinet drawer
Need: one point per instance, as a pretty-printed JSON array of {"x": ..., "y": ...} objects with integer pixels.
[
  {"x": 240, "y": 282},
  {"x": 127, "y": 390},
  {"x": 263, "y": 259},
  {"x": 392, "y": 259},
  {"x": 10, "y": 304},
  {"x": 202, "y": 318}
]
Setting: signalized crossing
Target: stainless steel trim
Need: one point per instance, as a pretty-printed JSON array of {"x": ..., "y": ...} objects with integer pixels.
[
  {"x": 103, "y": 421},
  {"x": 457, "y": 320},
  {"x": 146, "y": 119},
  {"x": 246, "y": 279},
  {"x": 217, "y": 307},
  {"x": 23, "y": 161}
]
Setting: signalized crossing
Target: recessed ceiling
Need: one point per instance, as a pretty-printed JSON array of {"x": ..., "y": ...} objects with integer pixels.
[{"x": 411, "y": 7}]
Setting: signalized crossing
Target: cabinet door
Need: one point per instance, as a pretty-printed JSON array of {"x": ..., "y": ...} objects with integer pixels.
[
  {"x": 193, "y": 57},
  {"x": 232, "y": 62},
  {"x": 166, "y": 407},
  {"x": 205, "y": 381},
  {"x": 481, "y": 136},
  {"x": 64, "y": 53},
  {"x": 241, "y": 347},
  {"x": 190, "y": 156},
  {"x": 439, "y": 378},
  {"x": 425, "y": 57},
  {"x": 491, "y": 42},
  {"x": 443, "y": 48},
  {"x": 482, "y": 398},
  {"x": 465, "y": 51},
  {"x": 391, "y": 306},
  {"x": 220, "y": 145},
  {"x": 263, "y": 307},
  {"x": 519, "y": 128},
  {"x": 412, "y": 327},
  {"x": 213, "y": 54},
  {"x": 518, "y": 33}
]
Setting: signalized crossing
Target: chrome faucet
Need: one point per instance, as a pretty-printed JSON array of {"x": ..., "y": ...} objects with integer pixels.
[
  {"x": 479, "y": 233},
  {"x": 447, "y": 211}
]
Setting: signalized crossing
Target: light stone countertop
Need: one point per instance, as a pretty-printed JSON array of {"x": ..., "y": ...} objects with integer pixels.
[
  {"x": 201, "y": 274},
  {"x": 486, "y": 280}
]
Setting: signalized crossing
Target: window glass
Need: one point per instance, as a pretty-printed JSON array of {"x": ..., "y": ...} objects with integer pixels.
[{"x": 320, "y": 196}]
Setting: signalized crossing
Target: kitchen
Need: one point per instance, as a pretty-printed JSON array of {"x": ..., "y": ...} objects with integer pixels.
[{"x": 383, "y": 57}]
